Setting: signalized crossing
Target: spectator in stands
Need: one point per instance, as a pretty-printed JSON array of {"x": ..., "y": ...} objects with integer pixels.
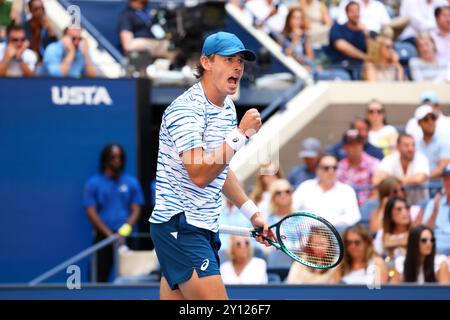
[
  {"x": 327, "y": 197},
  {"x": 16, "y": 60},
  {"x": 441, "y": 34},
  {"x": 231, "y": 216},
  {"x": 280, "y": 200},
  {"x": 387, "y": 188},
  {"x": 382, "y": 62},
  {"x": 374, "y": 14},
  {"x": 243, "y": 267},
  {"x": 360, "y": 124},
  {"x": 295, "y": 38},
  {"x": 427, "y": 66},
  {"x": 434, "y": 146},
  {"x": 348, "y": 42},
  {"x": 410, "y": 166},
  {"x": 357, "y": 168},
  {"x": 112, "y": 202},
  {"x": 261, "y": 194},
  {"x": 361, "y": 264},
  {"x": 421, "y": 263},
  {"x": 138, "y": 31},
  {"x": 437, "y": 215},
  {"x": 69, "y": 57},
  {"x": 319, "y": 21},
  {"x": 381, "y": 134},
  {"x": 391, "y": 240},
  {"x": 268, "y": 15},
  {"x": 7, "y": 15},
  {"x": 310, "y": 153},
  {"x": 38, "y": 28},
  {"x": 421, "y": 17},
  {"x": 442, "y": 123},
  {"x": 318, "y": 246}
]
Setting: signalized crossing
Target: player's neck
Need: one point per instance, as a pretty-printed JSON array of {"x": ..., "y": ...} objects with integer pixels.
[{"x": 212, "y": 93}]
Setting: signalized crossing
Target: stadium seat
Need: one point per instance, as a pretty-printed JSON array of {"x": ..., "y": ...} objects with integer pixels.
[
  {"x": 278, "y": 262},
  {"x": 273, "y": 278},
  {"x": 406, "y": 51},
  {"x": 334, "y": 74},
  {"x": 366, "y": 210}
]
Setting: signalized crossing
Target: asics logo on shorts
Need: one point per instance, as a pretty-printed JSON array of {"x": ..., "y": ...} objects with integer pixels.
[
  {"x": 204, "y": 265},
  {"x": 235, "y": 140}
]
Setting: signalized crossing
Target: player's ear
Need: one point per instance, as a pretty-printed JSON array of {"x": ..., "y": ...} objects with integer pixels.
[{"x": 205, "y": 62}]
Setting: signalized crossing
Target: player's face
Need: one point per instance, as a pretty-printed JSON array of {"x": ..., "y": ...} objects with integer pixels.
[{"x": 227, "y": 72}]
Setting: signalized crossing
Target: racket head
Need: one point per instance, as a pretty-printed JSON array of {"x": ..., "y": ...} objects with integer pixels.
[{"x": 311, "y": 240}]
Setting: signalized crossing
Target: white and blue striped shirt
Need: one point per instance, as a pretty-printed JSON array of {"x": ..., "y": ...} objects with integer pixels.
[{"x": 191, "y": 121}]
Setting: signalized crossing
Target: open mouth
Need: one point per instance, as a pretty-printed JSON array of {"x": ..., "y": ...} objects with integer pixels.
[{"x": 233, "y": 80}]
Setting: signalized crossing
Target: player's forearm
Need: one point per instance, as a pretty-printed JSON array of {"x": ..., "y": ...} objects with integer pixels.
[
  {"x": 233, "y": 190},
  {"x": 204, "y": 168}
]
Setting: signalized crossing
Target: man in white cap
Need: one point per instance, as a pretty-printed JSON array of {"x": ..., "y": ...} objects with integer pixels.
[
  {"x": 442, "y": 122},
  {"x": 310, "y": 153}
]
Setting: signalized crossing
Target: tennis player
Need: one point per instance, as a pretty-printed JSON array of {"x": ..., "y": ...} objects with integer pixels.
[{"x": 198, "y": 137}]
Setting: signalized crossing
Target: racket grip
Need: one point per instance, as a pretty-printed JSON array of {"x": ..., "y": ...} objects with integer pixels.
[{"x": 237, "y": 231}]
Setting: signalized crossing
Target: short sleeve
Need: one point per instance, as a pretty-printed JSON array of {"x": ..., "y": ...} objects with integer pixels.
[
  {"x": 124, "y": 23},
  {"x": 89, "y": 192},
  {"x": 335, "y": 33},
  {"x": 186, "y": 125}
]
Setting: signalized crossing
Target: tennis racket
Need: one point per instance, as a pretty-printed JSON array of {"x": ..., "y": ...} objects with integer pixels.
[{"x": 305, "y": 237}]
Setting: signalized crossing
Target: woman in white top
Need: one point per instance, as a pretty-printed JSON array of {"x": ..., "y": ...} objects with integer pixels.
[
  {"x": 421, "y": 263},
  {"x": 243, "y": 267},
  {"x": 381, "y": 134},
  {"x": 361, "y": 264}
]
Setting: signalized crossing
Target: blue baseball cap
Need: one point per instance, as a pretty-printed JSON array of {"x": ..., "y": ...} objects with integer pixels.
[{"x": 226, "y": 44}]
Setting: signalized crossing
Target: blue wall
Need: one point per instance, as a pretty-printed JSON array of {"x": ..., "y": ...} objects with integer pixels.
[{"x": 47, "y": 151}]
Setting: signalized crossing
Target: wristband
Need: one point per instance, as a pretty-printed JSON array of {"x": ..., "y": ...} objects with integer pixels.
[
  {"x": 249, "y": 208},
  {"x": 236, "y": 139},
  {"x": 125, "y": 230}
]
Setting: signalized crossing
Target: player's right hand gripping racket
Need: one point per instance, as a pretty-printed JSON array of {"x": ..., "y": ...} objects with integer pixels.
[{"x": 305, "y": 237}]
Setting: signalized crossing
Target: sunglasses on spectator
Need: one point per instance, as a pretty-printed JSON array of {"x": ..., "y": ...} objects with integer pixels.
[
  {"x": 355, "y": 242},
  {"x": 398, "y": 191},
  {"x": 379, "y": 111},
  {"x": 76, "y": 38},
  {"x": 17, "y": 39},
  {"x": 329, "y": 168},
  {"x": 430, "y": 117},
  {"x": 279, "y": 192},
  {"x": 425, "y": 240},
  {"x": 242, "y": 243}
]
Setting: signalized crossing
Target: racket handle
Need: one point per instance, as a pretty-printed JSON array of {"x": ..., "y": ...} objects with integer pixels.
[{"x": 237, "y": 231}]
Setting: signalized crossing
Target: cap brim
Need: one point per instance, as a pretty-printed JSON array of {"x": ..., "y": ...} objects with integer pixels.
[
  {"x": 307, "y": 154},
  {"x": 248, "y": 54}
]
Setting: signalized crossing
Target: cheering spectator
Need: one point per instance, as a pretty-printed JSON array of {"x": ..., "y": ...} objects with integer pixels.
[
  {"x": 243, "y": 267},
  {"x": 427, "y": 67},
  {"x": 327, "y": 197},
  {"x": 411, "y": 167},
  {"x": 361, "y": 264},
  {"x": 381, "y": 134},
  {"x": 358, "y": 167},
  {"x": 16, "y": 60},
  {"x": 310, "y": 153},
  {"x": 382, "y": 63},
  {"x": 421, "y": 263},
  {"x": 441, "y": 34}
]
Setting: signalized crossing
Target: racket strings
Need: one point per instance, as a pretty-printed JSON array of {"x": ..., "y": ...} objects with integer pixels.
[{"x": 311, "y": 241}]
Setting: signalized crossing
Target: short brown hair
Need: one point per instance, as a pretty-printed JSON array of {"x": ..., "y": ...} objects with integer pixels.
[{"x": 199, "y": 70}]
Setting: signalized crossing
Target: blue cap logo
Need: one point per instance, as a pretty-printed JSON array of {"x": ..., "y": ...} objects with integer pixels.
[{"x": 226, "y": 44}]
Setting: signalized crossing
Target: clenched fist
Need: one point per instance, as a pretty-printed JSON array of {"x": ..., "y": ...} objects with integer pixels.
[{"x": 250, "y": 122}]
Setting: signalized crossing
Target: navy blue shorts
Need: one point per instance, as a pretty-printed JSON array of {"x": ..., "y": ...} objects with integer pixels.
[{"x": 181, "y": 248}]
